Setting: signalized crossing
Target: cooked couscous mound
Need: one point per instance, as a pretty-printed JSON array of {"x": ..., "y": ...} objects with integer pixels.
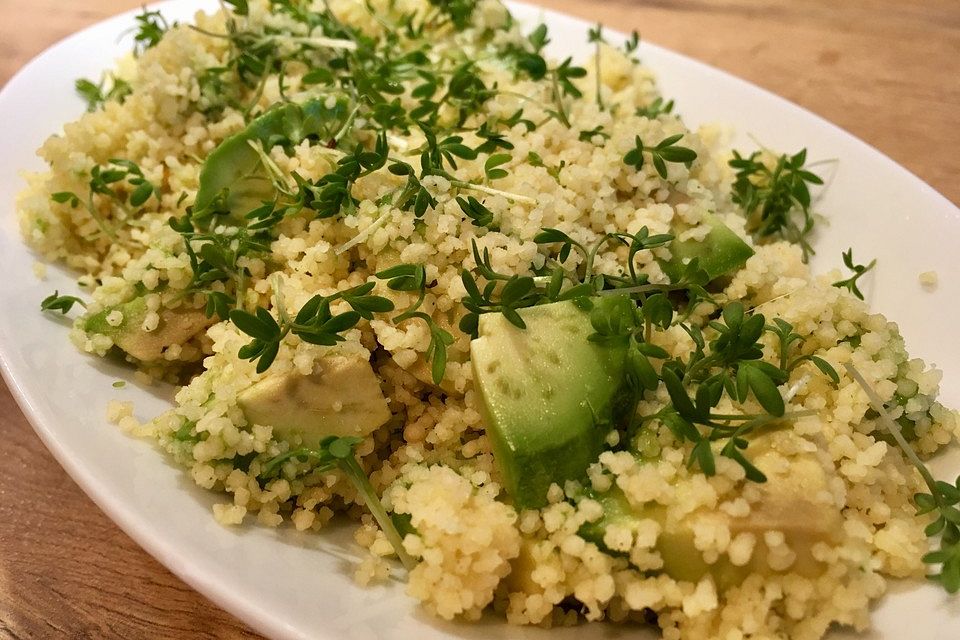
[{"x": 782, "y": 512}]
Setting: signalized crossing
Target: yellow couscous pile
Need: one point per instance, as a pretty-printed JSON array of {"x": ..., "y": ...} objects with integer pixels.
[{"x": 704, "y": 555}]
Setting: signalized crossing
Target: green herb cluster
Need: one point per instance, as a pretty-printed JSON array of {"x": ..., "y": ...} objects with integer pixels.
[
  {"x": 728, "y": 363},
  {"x": 776, "y": 200},
  {"x": 314, "y": 323},
  {"x": 383, "y": 88},
  {"x": 120, "y": 183},
  {"x": 728, "y": 358},
  {"x": 660, "y": 154}
]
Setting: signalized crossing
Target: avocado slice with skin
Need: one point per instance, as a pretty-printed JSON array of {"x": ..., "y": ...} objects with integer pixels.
[
  {"x": 720, "y": 253},
  {"x": 176, "y": 326},
  {"x": 543, "y": 391},
  {"x": 341, "y": 397}
]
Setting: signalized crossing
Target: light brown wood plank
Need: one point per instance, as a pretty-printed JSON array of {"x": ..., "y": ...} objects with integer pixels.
[{"x": 66, "y": 571}]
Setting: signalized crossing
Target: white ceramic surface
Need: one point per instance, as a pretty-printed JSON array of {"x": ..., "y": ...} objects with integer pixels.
[{"x": 290, "y": 585}]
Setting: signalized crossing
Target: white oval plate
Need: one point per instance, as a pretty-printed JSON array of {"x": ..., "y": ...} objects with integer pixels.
[{"x": 290, "y": 585}]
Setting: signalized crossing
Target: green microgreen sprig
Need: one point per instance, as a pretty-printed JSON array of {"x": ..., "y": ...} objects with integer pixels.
[
  {"x": 535, "y": 160},
  {"x": 529, "y": 60},
  {"x": 587, "y": 135},
  {"x": 776, "y": 200},
  {"x": 491, "y": 167},
  {"x": 413, "y": 278},
  {"x": 658, "y": 107},
  {"x": 478, "y": 214},
  {"x": 120, "y": 183},
  {"x": 339, "y": 453},
  {"x": 315, "y": 323},
  {"x": 216, "y": 256},
  {"x": 663, "y": 152},
  {"x": 502, "y": 293},
  {"x": 859, "y": 270},
  {"x": 96, "y": 95},
  {"x": 595, "y": 37},
  {"x": 562, "y": 85},
  {"x": 63, "y": 304},
  {"x": 788, "y": 339},
  {"x": 149, "y": 30}
]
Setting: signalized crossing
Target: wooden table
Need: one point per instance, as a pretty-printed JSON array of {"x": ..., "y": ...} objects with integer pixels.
[{"x": 886, "y": 70}]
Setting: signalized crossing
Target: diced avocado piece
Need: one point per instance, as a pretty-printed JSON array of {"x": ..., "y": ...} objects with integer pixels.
[
  {"x": 176, "y": 326},
  {"x": 233, "y": 172},
  {"x": 786, "y": 506},
  {"x": 721, "y": 252},
  {"x": 681, "y": 559},
  {"x": 342, "y": 397},
  {"x": 543, "y": 390}
]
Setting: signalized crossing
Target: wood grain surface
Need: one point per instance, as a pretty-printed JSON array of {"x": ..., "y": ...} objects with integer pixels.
[{"x": 886, "y": 70}]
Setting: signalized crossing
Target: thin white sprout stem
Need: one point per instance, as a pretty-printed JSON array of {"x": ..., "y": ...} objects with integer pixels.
[
  {"x": 877, "y": 404},
  {"x": 279, "y": 301},
  {"x": 318, "y": 41},
  {"x": 268, "y": 164},
  {"x": 363, "y": 235},
  {"x": 779, "y": 297},
  {"x": 796, "y": 387},
  {"x": 493, "y": 192}
]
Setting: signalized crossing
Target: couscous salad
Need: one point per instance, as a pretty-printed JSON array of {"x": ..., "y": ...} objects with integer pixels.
[{"x": 556, "y": 354}]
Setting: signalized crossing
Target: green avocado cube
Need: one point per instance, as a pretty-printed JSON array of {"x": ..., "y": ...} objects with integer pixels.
[
  {"x": 341, "y": 397},
  {"x": 544, "y": 391},
  {"x": 176, "y": 326},
  {"x": 720, "y": 253},
  {"x": 787, "y": 505}
]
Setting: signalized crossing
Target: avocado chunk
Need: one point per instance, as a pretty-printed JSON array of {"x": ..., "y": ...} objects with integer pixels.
[
  {"x": 176, "y": 326},
  {"x": 786, "y": 505},
  {"x": 232, "y": 178},
  {"x": 543, "y": 390},
  {"x": 341, "y": 397},
  {"x": 681, "y": 559},
  {"x": 720, "y": 253}
]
